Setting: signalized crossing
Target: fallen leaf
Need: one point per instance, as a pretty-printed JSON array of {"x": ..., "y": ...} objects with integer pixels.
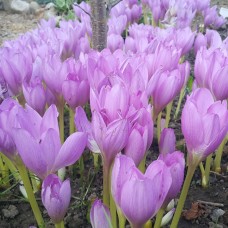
[{"x": 196, "y": 211}]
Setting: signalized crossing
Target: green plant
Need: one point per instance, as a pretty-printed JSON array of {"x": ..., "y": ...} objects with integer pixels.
[{"x": 64, "y": 7}]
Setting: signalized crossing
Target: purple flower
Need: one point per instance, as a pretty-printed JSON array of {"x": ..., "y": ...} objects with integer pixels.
[
  {"x": 105, "y": 101},
  {"x": 8, "y": 111},
  {"x": 211, "y": 70},
  {"x": 38, "y": 142},
  {"x": 174, "y": 161},
  {"x": 54, "y": 73},
  {"x": 103, "y": 137},
  {"x": 75, "y": 88},
  {"x": 211, "y": 17},
  {"x": 200, "y": 41},
  {"x": 117, "y": 25},
  {"x": 219, "y": 84},
  {"x": 138, "y": 195},
  {"x": 140, "y": 137},
  {"x": 56, "y": 197},
  {"x": 167, "y": 143},
  {"x": 165, "y": 57},
  {"x": 83, "y": 125},
  {"x": 115, "y": 42},
  {"x": 202, "y": 4},
  {"x": 35, "y": 95},
  {"x": 163, "y": 87},
  {"x": 202, "y": 112},
  {"x": 15, "y": 67},
  {"x": 111, "y": 138},
  {"x": 184, "y": 39},
  {"x": 100, "y": 215}
]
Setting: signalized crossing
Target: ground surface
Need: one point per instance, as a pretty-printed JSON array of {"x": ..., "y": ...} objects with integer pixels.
[
  {"x": 11, "y": 25},
  {"x": 201, "y": 215}
]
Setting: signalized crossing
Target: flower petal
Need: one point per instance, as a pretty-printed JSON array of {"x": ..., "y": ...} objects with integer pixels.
[
  {"x": 30, "y": 152},
  {"x": 71, "y": 150}
]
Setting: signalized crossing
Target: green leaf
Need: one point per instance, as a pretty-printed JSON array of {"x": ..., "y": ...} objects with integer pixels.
[
  {"x": 60, "y": 3},
  {"x": 70, "y": 15},
  {"x": 190, "y": 82}
]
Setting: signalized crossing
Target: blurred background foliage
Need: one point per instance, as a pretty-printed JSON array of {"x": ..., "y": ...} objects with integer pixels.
[{"x": 48, "y": 1}]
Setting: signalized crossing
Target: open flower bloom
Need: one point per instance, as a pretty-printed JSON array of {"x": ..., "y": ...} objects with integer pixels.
[
  {"x": 56, "y": 197},
  {"x": 38, "y": 142},
  {"x": 138, "y": 195},
  {"x": 106, "y": 100},
  {"x": 204, "y": 124},
  {"x": 100, "y": 215}
]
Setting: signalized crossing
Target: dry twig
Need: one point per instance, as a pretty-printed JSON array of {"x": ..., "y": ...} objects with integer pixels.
[{"x": 210, "y": 203}]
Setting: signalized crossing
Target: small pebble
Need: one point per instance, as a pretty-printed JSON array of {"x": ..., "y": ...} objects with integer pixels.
[
  {"x": 216, "y": 214},
  {"x": 11, "y": 212}
]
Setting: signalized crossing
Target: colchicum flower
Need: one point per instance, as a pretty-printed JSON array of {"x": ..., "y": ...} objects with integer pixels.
[
  {"x": 38, "y": 142},
  {"x": 8, "y": 110},
  {"x": 100, "y": 215},
  {"x": 202, "y": 112},
  {"x": 138, "y": 195},
  {"x": 56, "y": 197},
  {"x": 174, "y": 161}
]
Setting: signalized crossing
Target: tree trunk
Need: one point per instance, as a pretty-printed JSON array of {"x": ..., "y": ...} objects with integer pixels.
[{"x": 99, "y": 24}]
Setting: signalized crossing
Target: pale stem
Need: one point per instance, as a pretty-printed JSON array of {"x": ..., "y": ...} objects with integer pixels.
[
  {"x": 202, "y": 172},
  {"x": 96, "y": 160},
  {"x": 21, "y": 99},
  {"x": 126, "y": 30},
  {"x": 61, "y": 122},
  {"x": 205, "y": 181},
  {"x": 148, "y": 224},
  {"x": 218, "y": 156},
  {"x": 184, "y": 192},
  {"x": 60, "y": 224},
  {"x": 31, "y": 197},
  {"x": 153, "y": 21},
  {"x": 11, "y": 167},
  {"x": 113, "y": 209},
  {"x": 34, "y": 183},
  {"x": 179, "y": 102},
  {"x": 168, "y": 113},
  {"x": 159, "y": 217},
  {"x": 72, "y": 125},
  {"x": 142, "y": 165},
  {"x": 145, "y": 18},
  {"x": 61, "y": 172},
  {"x": 159, "y": 126},
  {"x": 121, "y": 218},
  {"x": 106, "y": 191}
]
